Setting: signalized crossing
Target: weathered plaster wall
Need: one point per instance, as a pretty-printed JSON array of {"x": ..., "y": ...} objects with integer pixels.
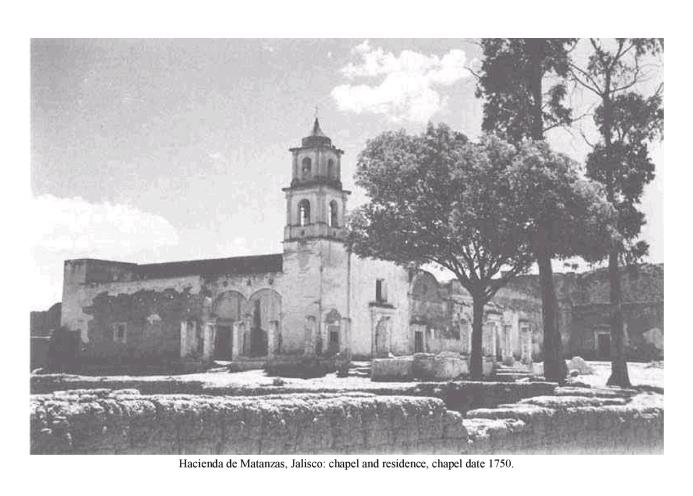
[
  {"x": 98, "y": 296},
  {"x": 321, "y": 279},
  {"x": 584, "y": 307},
  {"x": 365, "y": 310},
  {"x": 444, "y": 318},
  {"x": 152, "y": 319},
  {"x": 644, "y": 324},
  {"x": 43, "y": 322},
  {"x": 85, "y": 279},
  {"x": 301, "y": 287}
]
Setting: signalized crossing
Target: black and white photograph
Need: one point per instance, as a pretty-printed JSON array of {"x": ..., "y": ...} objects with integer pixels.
[{"x": 336, "y": 246}]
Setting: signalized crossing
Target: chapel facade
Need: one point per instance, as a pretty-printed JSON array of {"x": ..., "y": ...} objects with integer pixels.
[{"x": 315, "y": 298}]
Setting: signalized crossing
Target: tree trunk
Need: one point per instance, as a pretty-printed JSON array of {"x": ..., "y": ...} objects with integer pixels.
[
  {"x": 476, "y": 361},
  {"x": 555, "y": 368},
  {"x": 535, "y": 73},
  {"x": 619, "y": 366}
]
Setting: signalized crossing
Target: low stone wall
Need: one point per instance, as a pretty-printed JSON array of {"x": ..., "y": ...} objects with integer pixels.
[
  {"x": 392, "y": 369},
  {"x": 587, "y": 421},
  {"x": 126, "y": 422}
]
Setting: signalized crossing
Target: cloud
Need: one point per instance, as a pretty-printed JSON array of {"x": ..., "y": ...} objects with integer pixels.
[
  {"x": 406, "y": 87},
  {"x": 64, "y": 228}
]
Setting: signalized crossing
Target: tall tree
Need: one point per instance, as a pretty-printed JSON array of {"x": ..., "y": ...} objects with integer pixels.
[
  {"x": 563, "y": 213},
  {"x": 522, "y": 82},
  {"x": 627, "y": 123},
  {"x": 438, "y": 198}
]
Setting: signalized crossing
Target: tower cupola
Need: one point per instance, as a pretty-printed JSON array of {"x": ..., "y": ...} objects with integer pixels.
[
  {"x": 317, "y": 137},
  {"x": 317, "y": 160}
]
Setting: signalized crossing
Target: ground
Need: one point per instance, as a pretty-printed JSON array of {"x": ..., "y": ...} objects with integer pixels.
[{"x": 641, "y": 374}]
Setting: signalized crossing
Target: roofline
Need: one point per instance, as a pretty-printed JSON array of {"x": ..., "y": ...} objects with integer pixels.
[
  {"x": 132, "y": 264},
  {"x": 208, "y": 259},
  {"x": 150, "y": 264}
]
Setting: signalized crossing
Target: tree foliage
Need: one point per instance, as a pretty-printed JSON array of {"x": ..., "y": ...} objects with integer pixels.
[
  {"x": 563, "y": 212},
  {"x": 513, "y": 79},
  {"x": 472, "y": 208},
  {"x": 438, "y": 198}
]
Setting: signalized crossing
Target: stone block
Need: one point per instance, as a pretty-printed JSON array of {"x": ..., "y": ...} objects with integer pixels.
[{"x": 392, "y": 369}]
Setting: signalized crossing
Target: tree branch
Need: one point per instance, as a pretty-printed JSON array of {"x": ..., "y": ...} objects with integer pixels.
[{"x": 594, "y": 87}]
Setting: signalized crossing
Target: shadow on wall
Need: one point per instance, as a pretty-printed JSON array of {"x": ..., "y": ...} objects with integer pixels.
[{"x": 61, "y": 352}]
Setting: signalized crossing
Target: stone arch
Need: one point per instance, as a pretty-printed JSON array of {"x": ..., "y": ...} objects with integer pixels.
[
  {"x": 306, "y": 168},
  {"x": 425, "y": 286},
  {"x": 264, "y": 310},
  {"x": 229, "y": 306},
  {"x": 304, "y": 212},
  {"x": 427, "y": 308},
  {"x": 228, "y": 309}
]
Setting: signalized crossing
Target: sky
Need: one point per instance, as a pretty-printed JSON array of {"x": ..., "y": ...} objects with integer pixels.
[{"x": 162, "y": 150}]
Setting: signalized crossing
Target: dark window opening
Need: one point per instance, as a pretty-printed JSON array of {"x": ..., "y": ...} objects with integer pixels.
[
  {"x": 200, "y": 339},
  {"x": 333, "y": 213},
  {"x": 418, "y": 342},
  {"x": 380, "y": 291},
  {"x": 603, "y": 346}
]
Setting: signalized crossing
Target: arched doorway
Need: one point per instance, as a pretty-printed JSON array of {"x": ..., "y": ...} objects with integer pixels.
[
  {"x": 264, "y": 307},
  {"x": 227, "y": 309}
]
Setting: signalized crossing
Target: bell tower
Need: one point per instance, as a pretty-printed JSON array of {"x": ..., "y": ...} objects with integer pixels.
[
  {"x": 315, "y": 263},
  {"x": 315, "y": 200}
]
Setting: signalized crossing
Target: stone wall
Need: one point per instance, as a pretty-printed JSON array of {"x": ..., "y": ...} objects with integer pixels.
[
  {"x": 584, "y": 308},
  {"x": 41, "y": 323},
  {"x": 38, "y": 355},
  {"x": 578, "y": 421},
  {"x": 644, "y": 324},
  {"x": 152, "y": 321},
  {"x": 125, "y": 422}
]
